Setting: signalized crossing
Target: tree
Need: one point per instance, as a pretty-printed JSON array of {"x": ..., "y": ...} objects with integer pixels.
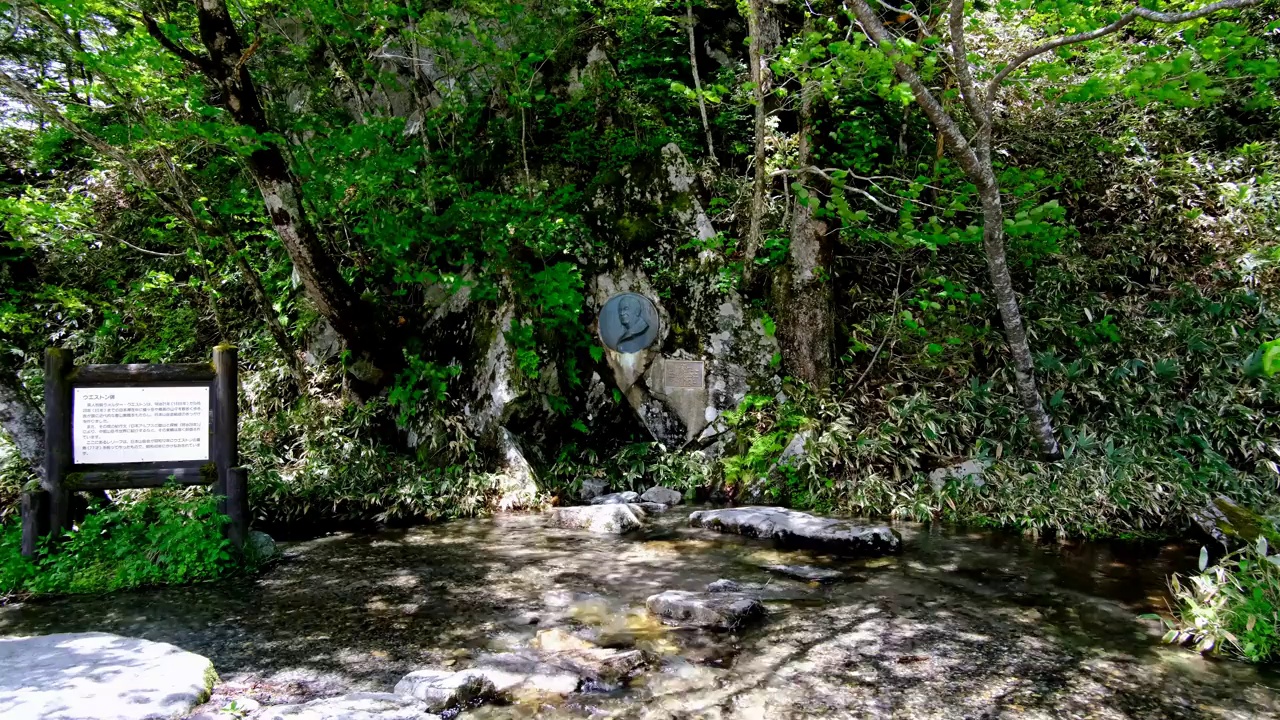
[
  {"x": 225, "y": 65},
  {"x": 974, "y": 156}
]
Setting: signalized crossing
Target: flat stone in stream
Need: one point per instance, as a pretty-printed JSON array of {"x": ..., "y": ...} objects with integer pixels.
[
  {"x": 442, "y": 690},
  {"x": 797, "y": 529},
  {"x": 721, "y": 610},
  {"x": 659, "y": 494},
  {"x": 356, "y": 706},
  {"x": 605, "y": 519},
  {"x": 99, "y": 676},
  {"x": 808, "y": 573}
]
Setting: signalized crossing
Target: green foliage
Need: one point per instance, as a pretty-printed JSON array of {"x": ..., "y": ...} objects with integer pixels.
[
  {"x": 164, "y": 537},
  {"x": 1231, "y": 608}
]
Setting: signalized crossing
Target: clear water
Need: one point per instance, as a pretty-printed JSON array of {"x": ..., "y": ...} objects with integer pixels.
[{"x": 960, "y": 625}]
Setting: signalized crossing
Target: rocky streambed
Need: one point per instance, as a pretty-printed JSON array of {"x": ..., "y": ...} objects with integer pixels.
[{"x": 516, "y": 616}]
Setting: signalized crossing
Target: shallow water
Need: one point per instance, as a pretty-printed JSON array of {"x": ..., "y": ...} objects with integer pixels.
[{"x": 960, "y": 625}]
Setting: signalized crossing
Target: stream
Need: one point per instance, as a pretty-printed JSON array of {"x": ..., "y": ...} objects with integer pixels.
[{"x": 960, "y": 625}]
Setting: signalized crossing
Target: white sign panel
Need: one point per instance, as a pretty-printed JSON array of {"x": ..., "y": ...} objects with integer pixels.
[{"x": 139, "y": 424}]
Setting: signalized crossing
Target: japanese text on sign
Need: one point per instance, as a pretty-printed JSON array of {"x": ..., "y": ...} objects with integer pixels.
[{"x": 139, "y": 424}]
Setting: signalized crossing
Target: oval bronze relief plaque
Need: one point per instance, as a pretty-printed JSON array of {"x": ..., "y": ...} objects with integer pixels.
[{"x": 628, "y": 323}]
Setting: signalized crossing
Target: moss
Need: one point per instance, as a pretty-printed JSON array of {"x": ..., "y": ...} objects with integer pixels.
[
  {"x": 1243, "y": 524},
  {"x": 209, "y": 473}
]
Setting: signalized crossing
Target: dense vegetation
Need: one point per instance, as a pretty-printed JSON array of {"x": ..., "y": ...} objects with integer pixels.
[{"x": 1060, "y": 267}]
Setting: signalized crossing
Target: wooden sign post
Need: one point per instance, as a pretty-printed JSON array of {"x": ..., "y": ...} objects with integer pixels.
[{"x": 110, "y": 427}]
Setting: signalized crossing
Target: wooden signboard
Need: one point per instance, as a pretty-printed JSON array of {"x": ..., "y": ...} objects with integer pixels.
[{"x": 137, "y": 426}]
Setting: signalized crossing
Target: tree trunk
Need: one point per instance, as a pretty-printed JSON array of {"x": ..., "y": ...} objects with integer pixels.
[
  {"x": 803, "y": 289},
  {"x": 755, "y": 55},
  {"x": 1014, "y": 331},
  {"x": 334, "y": 299},
  {"x": 22, "y": 421},
  {"x": 697, "y": 82}
]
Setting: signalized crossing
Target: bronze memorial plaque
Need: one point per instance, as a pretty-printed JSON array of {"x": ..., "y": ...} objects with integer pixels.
[
  {"x": 628, "y": 323},
  {"x": 683, "y": 374}
]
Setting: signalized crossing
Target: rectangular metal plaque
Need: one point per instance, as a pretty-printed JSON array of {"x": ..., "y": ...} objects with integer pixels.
[
  {"x": 139, "y": 424},
  {"x": 684, "y": 374}
]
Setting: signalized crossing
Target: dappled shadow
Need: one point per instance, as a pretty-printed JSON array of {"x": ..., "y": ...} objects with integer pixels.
[{"x": 960, "y": 625}]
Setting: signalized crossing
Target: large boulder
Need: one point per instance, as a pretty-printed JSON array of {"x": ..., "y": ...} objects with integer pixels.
[
  {"x": 721, "y": 610},
  {"x": 356, "y": 706},
  {"x": 791, "y": 528},
  {"x": 99, "y": 676},
  {"x": 611, "y": 519}
]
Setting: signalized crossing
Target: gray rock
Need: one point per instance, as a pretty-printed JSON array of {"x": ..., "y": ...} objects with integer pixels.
[
  {"x": 260, "y": 547},
  {"x": 519, "y": 674},
  {"x": 619, "y": 498},
  {"x": 592, "y": 488},
  {"x": 356, "y": 706},
  {"x": 659, "y": 494},
  {"x": 797, "y": 529},
  {"x": 99, "y": 676},
  {"x": 443, "y": 690},
  {"x": 970, "y": 470},
  {"x": 808, "y": 573},
  {"x": 605, "y": 665},
  {"x": 604, "y": 519},
  {"x": 515, "y": 482},
  {"x": 725, "y": 586},
  {"x": 725, "y": 610},
  {"x": 653, "y": 507}
]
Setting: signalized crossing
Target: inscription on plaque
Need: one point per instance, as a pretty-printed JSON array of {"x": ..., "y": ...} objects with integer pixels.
[
  {"x": 139, "y": 424},
  {"x": 684, "y": 374}
]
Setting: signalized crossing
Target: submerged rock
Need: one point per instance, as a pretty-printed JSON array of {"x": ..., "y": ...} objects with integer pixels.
[
  {"x": 558, "y": 640},
  {"x": 99, "y": 676},
  {"x": 443, "y": 690},
  {"x": 619, "y": 498},
  {"x": 808, "y": 573},
  {"x": 724, "y": 610},
  {"x": 662, "y": 495},
  {"x": 604, "y": 519},
  {"x": 356, "y": 706},
  {"x": 793, "y": 528}
]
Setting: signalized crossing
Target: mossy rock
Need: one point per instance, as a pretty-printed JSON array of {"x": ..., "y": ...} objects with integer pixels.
[{"x": 1234, "y": 526}]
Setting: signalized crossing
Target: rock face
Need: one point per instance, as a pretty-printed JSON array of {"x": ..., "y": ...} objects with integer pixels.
[
  {"x": 98, "y": 676},
  {"x": 356, "y": 706},
  {"x": 797, "y": 529},
  {"x": 612, "y": 519},
  {"x": 722, "y": 610},
  {"x": 618, "y": 498},
  {"x": 659, "y": 494}
]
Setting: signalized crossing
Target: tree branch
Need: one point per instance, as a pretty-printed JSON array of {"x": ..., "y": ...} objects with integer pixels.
[
  {"x": 973, "y": 100},
  {"x": 1139, "y": 12},
  {"x": 153, "y": 29}
]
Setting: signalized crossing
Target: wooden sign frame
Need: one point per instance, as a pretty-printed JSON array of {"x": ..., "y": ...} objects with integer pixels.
[{"x": 47, "y": 511}]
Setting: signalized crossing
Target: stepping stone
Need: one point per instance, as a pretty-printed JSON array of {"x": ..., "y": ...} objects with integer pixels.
[
  {"x": 356, "y": 706},
  {"x": 659, "y": 494},
  {"x": 724, "y": 611},
  {"x": 99, "y": 676},
  {"x": 808, "y": 573},
  {"x": 797, "y": 529},
  {"x": 523, "y": 674},
  {"x": 441, "y": 690},
  {"x": 618, "y": 498},
  {"x": 604, "y": 519}
]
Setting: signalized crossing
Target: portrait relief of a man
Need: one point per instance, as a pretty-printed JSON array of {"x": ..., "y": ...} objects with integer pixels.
[{"x": 628, "y": 323}]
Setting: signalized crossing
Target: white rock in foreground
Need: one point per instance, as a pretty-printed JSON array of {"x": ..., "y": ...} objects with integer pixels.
[
  {"x": 356, "y": 706},
  {"x": 797, "y": 529},
  {"x": 604, "y": 519},
  {"x": 99, "y": 676}
]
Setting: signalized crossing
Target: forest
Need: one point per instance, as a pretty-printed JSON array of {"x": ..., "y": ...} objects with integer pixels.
[{"x": 1008, "y": 264}]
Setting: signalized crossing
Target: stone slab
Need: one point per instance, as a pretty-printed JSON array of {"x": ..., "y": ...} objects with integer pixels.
[
  {"x": 792, "y": 528},
  {"x": 356, "y": 706},
  {"x": 99, "y": 676}
]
